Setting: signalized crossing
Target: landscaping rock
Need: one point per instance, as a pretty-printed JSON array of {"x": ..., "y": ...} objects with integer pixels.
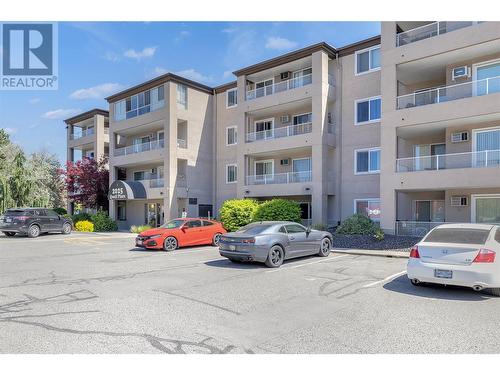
[{"x": 367, "y": 242}]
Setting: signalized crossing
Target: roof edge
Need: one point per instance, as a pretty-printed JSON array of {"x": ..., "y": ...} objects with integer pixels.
[{"x": 86, "y": 115}]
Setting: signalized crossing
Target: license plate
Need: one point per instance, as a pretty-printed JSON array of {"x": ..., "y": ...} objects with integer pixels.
[
  {"x": 138, "y": 242},
  {"x": 8, "y": 220},
  {"x": 443, "y": 274},
  {"x": 232, "y": 247}
]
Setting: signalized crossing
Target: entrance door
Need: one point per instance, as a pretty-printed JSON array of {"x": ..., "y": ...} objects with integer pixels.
[
  {"x": 487, "y": 147},
  {"x": 301, "y": 170},
  {"x": 264, "y": 129},
  {"x": 488, "y": 78},
  {"x": 426, "y": 156},
  {"x": 264, "y": 88},
  {"x": 153, "y": 214},
  {"x": 305, "y": 215},
  {"x": 264, "y": 170},
  {"x": 429, "y": 211},
  {"x": 486, "y": 209}
]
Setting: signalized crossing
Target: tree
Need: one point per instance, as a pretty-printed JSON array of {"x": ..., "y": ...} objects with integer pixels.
[
  {"x": 19, "y": 183},
  {"x": 87, "y": 182},
  {"x": 47, "y": 183}
]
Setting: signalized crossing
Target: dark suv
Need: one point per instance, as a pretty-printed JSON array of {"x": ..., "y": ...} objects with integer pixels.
[{"x": 33, "y": 221}]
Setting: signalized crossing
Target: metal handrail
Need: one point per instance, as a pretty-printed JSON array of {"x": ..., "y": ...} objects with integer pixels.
[
  {"x": 84, "y": 133},
  {"x": 474, "y": 159},
  {"x": 285, "y": 131},
  {"x": 141, "y": 147},
  {"x": 429, "y": 30},
  {"x": 181, "y": 143},
  {"x": 448, "y": 93},
  {"x": 279, "y": 87},
  {"x": 279, "y": 178}
]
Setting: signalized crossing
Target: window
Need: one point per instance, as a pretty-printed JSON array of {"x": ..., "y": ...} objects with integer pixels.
[
  {"x": 368, "y": 110},
  {"x": 304, "y": 118},
  {"x": 368, "y": 207},
  {"x": 121, "y": 210},
  {"x": 458, "y": 235},
  {"x": 295, "y": 228},
  {"x": 282, "y": 229},
  {"x": 140, "y": 104},
  {"x": 367, "y": 60},
  {"x": 193, "y": 201},
  {"x": 231, "y": 173},
  {"x": 231, "y": 98},
  {"x": 182, "y": 96},
  {"x": 207, "y": 223},
  {"x": 231, "y": 135},
  {"x": 193, "y": 224},
  {"x": 205, "y": 210},
  {"x": 120, "y": 110},
  {"x": 367, "y": 161},
  {"x": 139, "y": 175}
]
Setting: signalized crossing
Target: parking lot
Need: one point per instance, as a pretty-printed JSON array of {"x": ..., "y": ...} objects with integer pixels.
[{"x": 96, "y": 293}]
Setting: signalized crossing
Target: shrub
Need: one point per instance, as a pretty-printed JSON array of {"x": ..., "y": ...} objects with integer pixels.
[
  {"x": 84, "y": 226},
  {"x": 379, "y": 234},
  {"x": 139, "y": 228},
  {"x": 236, "y": 213},
  {"x": 357, "y": 224},
  {"x": 278, "y": 209},
  {"x": 60, "y": 211},
  {"x": 103, "y": 223},
  {"x": 81, "y": 216}
]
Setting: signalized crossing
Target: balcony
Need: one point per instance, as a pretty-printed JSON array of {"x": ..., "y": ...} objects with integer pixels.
[
  {"x": 279, "y": 178},
  {"x": 82, "y": 134},
  {"x": 477, "y": 159},
  {"x": 448, "y": 93},
  {"x": 430, "y": 30},
  {"x": 156, "y": 183},
  {"x": 141, "y": 147},
  {"x": 285, "y": 131},
  {"x": 279, "y": 87},
  {"x": 181, "y": 143}
]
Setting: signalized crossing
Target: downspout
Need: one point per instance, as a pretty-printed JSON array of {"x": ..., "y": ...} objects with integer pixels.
[{"x": 339, "y": 136}]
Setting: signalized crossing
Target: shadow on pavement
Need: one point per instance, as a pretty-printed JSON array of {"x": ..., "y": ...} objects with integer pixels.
[
  {"x": 226, "y": 263},
  {"x": 403, "y": 285}
]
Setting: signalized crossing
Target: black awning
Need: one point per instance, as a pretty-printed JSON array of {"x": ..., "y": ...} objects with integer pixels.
[{"x": 124, "y": 190}]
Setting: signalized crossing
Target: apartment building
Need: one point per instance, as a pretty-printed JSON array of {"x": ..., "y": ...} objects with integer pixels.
[
  {"x": 87, "y": 136},
  {"x": 403, "y": 127}
]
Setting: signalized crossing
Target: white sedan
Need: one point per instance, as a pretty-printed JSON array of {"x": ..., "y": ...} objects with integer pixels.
[{"x": 458, "y": 254}]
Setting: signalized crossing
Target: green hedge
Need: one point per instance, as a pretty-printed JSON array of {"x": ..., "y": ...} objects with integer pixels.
[
  {"x": 60, "y": 211},
  {"x": 103, "y": 223},
  {"x": 357, "y": 224},
  {"x": 236, "y": 213},
  {"x": 278, "y": 210},
  {"x": 80, "y": 217}
]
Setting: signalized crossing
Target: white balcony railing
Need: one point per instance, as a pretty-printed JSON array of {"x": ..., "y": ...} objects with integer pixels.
[
  {"x": 181, "y": 143},
  {"x": 141, "y": 147},
  {"x": 448, "y": 93},
  {"x": 285, "y": 131},
  {"x": 430, "y": 30},
  {"x": 477, "y": 159},
  {"x": 82, "y": 134},
  {"x": 156, "y": 183},
  {"x": 279, "y": 87},
  {"x": 279, "y": 178}
]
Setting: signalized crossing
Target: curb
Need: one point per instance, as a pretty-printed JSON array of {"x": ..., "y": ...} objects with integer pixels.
[{"x": 379, "y": 253}]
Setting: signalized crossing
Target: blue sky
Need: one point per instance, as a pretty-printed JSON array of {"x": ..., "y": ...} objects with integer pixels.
[{"x": 98, "y": 59}]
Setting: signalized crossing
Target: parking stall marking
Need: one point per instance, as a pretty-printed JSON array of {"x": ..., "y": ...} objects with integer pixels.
[
  {"x": 388, "y": 278},
  {"x": 308, "y": 263}
]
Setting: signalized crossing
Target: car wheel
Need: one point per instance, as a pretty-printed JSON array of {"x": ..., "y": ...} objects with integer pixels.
[
  {"x": 275, "y": 257},
  {"x": 34, "y": 231},
  {"x": 416, "y": 282},
  {"x": 170, "y": 244},
  {"x": 234, "y": 260},
  {"x": 66, "y": 229},
  {"x": 493, "y": 291},
  {"x": 10, "y": 234},
  {"x": 216, "y": 239},
  {"x": 325, "y": 248}
]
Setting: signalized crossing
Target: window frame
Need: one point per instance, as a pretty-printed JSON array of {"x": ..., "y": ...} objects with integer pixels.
[
  {"x": 356, "y": 200},
  {"x": 235, "y": 89},
  {"x": 370, "y": 149},
  {"x": 371, "y": 98},
  {"x": 179, "y": 103},
  {"x": 370, "y": 70},
  {"x": 235, "y": 135},
  {"x": 227, "y": 173}
]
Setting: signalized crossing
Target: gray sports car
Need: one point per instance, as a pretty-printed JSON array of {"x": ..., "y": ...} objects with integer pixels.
[{"x": 272, "y": 242}]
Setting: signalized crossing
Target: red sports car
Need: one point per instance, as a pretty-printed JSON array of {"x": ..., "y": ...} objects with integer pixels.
[{"x": 181, "y": 232}]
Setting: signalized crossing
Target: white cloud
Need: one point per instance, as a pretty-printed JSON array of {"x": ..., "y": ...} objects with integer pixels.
[
  {"x": 96, "y": 92},
  {"x": 182, "y": 35},
  {"x": 111, "y": 56},
  {"x": 59, "y": 114},
  {"x": 34, "y": 100},
  {"x": 280, "y": 43},
  {"x": 10, "y": 130},
  {"x": 194, "y": 75},
  {"x": 139, "y": 55}
]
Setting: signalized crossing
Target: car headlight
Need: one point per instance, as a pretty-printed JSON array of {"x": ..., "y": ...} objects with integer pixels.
[{"x": 155, "y": 236}]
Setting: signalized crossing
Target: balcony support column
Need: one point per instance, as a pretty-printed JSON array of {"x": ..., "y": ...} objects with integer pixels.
[{"x": 98, "y": 136}]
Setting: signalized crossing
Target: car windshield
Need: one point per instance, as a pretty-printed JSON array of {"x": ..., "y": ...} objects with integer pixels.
[
  {"x": 172, "y": 224},
  {"x": 458, "y": 235},
  {"x": 253, "y": 229},
  {"x": 15, "y": 212}
]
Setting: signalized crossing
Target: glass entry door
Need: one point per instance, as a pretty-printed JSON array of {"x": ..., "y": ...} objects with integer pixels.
[
  {"x": 264, "y": 88},
  {"x": 264, "y": 129},
  {"x": 426, "y": 156},
  {"x": 153, "y": 213},
  {"x": 486, "y": 209},
  {"x": 264, "y": 170},
  {"x": 429, "y": 211},
  {"x": 485, "y": 85},
  {"x": 301, "y": 170},
  {"x": 487, "y": 148}
]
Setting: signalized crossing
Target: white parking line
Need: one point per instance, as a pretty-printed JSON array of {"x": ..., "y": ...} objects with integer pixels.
[
  {"x": 388, "y": 278},
  {"x": 308, "y": 264}
]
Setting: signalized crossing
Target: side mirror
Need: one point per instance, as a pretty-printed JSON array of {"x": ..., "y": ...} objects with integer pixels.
[{"x": 308, "y": 230}]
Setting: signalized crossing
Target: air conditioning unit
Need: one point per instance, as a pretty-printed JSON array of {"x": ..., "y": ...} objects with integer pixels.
[
  {"x": 459, "y": 72},
  {"x": 285, "y": 162},
  {"x": 285, "y": 75},
  {"x": 330, "y": 118},
  {"x": 459, "y": 201},
  {"x": 459, "y": 137},
  {"x": 285, "y": 119}
]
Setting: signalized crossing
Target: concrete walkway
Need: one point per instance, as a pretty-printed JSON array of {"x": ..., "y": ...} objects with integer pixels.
[{"x": 380, "y": 253}]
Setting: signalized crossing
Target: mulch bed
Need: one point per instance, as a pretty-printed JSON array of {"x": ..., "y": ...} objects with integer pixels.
[{"x": 367, "y": 242}]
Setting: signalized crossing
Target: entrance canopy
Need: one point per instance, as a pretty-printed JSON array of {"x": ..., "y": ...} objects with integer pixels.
[{"x": 125, "y": 190}]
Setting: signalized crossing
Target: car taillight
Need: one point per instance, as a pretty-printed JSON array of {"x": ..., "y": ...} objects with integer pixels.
[
  {"x": 248, "y": 240},
  {"x": 414, "y": 252},
  {"x": 484, "y": 256}
]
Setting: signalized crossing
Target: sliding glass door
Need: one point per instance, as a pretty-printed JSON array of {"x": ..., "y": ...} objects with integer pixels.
[
  {"x": 488, "y": 77},
  {"x": 486, "y": 209},
  {"x": 487, "y": 147}
]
